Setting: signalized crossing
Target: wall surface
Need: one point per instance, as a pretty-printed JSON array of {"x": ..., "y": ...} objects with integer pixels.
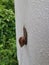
[{"x": 34, "y": 14}]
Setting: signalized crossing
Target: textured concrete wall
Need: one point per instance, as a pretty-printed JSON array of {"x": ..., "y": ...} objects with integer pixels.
[{"x": 34, "y": 14}]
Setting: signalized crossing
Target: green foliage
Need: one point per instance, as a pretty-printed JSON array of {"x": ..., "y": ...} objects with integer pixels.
[
  {"x": 7, "y": 33},
  {"x": 8, "y": 4}
]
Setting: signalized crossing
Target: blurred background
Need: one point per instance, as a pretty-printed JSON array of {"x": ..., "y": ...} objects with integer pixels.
[{"x": 8, "y": 50}]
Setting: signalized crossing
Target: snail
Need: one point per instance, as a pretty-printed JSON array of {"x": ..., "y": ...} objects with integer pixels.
[{"x": 23, "y": 39}]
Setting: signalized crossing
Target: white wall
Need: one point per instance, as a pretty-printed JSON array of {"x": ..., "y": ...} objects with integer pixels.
[{"x": 34, "y": 14}]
